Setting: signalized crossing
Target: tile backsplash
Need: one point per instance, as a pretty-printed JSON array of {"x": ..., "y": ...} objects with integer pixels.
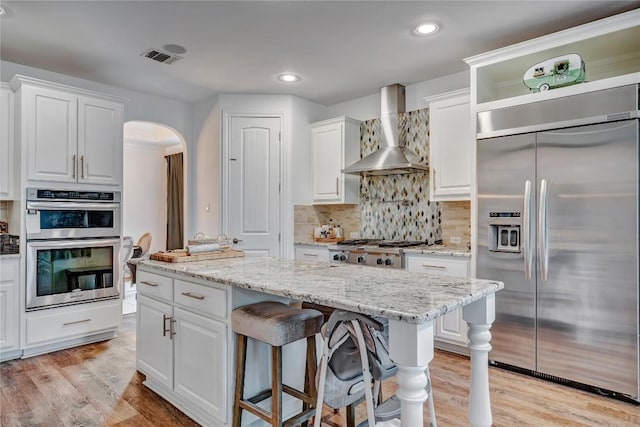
[
  {"x": 394, "y": 206},
  {"x": 397, "y": 207},
  {"x": 456, "y": 222},
  {"x": 306, "y": 217},
  {"x": 4, "y": 211}
]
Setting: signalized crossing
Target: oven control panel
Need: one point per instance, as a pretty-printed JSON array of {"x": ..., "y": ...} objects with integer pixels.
[{"x": 35, "y": 194}]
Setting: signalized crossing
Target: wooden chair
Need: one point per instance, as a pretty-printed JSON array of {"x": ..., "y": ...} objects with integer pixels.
[{"x": 144, "y": 243}]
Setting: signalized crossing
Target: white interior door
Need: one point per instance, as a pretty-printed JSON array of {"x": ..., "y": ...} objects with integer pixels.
[{"x": 254, "y": 184}]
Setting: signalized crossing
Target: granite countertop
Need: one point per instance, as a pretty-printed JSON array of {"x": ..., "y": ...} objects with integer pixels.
[
  {"x": 422, "y": 250},
  {"x": 9, "y": 256},
  {"x": 394, "y": 294}
]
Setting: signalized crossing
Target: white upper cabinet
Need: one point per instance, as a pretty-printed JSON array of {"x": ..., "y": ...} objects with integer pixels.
[
  {"x": 335, "y": 144},
  {"x": 450, "y": 146},
  {"x": 608, "y": 47},
  {"x": 100, "y": 141},
  {"x": 6, "y": 143},
  {"x": 71, "y": 136}
]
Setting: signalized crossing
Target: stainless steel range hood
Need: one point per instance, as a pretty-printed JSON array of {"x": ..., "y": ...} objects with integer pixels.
[{"x": 392, "y": 157}]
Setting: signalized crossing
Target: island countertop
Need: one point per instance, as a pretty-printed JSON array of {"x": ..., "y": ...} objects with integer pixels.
[{"x": 395, "y": 294}]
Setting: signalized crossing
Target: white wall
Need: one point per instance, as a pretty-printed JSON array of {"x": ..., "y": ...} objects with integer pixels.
[
  {"x": 368, "y": 107},
  {"x": 144, "y": 204},
  {"x": 206, "y": 171}
]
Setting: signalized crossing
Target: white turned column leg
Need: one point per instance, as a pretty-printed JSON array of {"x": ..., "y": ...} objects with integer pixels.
[
  {"x": 479, "y": 316},
  {"x": 412, "y": 393},
  {"x": 411, "y": 348}
]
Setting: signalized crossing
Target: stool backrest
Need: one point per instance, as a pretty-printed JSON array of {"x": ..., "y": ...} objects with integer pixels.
[{"x": 145, "y": 243}]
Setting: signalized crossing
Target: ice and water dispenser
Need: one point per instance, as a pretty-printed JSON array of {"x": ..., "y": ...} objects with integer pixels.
[{"x": 504, "y": 232}]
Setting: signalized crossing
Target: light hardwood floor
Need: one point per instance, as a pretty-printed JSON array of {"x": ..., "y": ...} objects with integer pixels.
[{"x": 97, "y": 384}]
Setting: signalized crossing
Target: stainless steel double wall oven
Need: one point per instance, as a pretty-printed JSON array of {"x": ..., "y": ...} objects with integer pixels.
[{"x": 73, "y": 247}]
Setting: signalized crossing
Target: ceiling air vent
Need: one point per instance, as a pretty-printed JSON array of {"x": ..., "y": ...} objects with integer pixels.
[{"x": 160, "y": 56}]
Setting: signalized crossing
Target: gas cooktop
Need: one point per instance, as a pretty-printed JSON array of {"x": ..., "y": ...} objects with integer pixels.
[{"x": 386, "y": 243}]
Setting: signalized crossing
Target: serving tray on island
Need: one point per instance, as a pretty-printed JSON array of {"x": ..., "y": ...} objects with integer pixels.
[{"x": 181, "y": 255}]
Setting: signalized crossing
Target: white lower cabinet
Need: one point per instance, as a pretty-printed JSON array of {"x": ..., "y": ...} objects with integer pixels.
[
  {"x": 182, "y": 345},
  {"x": 450, "y": 330},
  {"x": 9, "y": 303},
  {"x": 63, "y": 327},
  {"x": 154, "y": 347},
  {"x": 311, "y": 253},
  {"x": 200, "y": 365}
]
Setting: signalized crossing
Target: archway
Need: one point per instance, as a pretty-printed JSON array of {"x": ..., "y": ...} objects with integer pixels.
[{"x": 145, "y": 180}]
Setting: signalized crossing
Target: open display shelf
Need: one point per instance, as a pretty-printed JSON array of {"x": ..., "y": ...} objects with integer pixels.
[{"x": 610, "y": 49}]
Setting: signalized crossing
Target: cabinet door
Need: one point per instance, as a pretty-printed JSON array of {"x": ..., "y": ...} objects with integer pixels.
[
  {"x": 6, "y": 143},
  {"x": 9, "y": 282},
  {"x": 450, "y": 145},
  {"x": 450, "y": 327},
  {"x": 51, "y": 134},
  {"x": 99, "y": 141},
  {"x": 327, "y": 152},
  {"x": 201, "y": 362},
  {"x": 154, "y": 344}
]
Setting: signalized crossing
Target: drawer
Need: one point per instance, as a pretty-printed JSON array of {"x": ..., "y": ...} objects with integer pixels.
[
  {"x": 207, "y": 300},
  {"x": 311, "y": 254},
  {"x": 438, "y": 265},
  {"x": 71, "y": 322},
  {"x": 154, "y": 285}
]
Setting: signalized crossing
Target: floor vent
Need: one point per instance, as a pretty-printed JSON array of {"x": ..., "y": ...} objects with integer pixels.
[
  {"x": 160, "y": 56},
  {"x": 569, "y": 383}
]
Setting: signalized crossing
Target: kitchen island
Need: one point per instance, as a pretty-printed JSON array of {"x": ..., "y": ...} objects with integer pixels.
[{"x": 411, "y": 301}]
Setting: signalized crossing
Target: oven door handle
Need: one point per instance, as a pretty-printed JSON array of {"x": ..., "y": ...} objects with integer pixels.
[
  {"x": 72, "y": 205},
  {"x": 71, "y": 243}
]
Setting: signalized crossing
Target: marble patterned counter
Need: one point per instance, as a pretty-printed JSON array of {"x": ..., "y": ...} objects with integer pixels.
[
  {"x": 422, "y": 250},
  {"x": 394, "y": 294},
  {"x": 411, "y": 301}
]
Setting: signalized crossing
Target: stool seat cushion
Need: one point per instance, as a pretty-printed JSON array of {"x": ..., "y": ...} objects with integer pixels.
[{"x": 275, "y": 323}]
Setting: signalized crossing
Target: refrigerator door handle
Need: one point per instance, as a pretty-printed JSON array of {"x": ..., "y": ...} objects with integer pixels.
[
  {"x": 543, "y": 252},
  {"x": 526, "y": 232}
]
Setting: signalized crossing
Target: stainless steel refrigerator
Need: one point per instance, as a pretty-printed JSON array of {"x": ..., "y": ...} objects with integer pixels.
[{"x": 557, "y": 219}]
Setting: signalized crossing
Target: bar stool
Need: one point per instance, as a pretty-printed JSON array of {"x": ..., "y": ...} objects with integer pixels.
[{"x": 275, "y": 324}]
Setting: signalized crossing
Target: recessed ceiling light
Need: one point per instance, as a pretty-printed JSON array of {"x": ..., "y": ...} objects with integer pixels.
[
  {"x": 426, "y": 29},
  {"x": 288, "y": 77},
  {"x": 2, "y": 11}
]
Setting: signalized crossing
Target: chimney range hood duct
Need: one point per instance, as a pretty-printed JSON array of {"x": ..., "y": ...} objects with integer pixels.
[{"x": 392, "y": 157}]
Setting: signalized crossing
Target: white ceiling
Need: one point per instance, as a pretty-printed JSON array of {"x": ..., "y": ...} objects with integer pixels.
[{"x": 342, "y": 49}]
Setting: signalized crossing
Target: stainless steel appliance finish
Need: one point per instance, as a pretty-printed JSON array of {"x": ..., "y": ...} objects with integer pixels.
[
  {"x": 63, "y": 272},
  {"x": 612, "y": 104},
  {"x": 374, "y": 253},
  {"x": 62, "y": 214},
  {"x": 73, "y": 247},
  {"x": 570, "y": 307},
  {"x": 392, "y": 157}
]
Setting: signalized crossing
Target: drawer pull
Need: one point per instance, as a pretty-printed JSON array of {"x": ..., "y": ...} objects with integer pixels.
[
  {"x": 144, "y": 282},
  {"x": 310, "y": 254},
  {"x": 164, "y": 325},
  {"x": 173, "y": 331},
  {"x": 434, "y": 266},
  {"x": 194, "y": 296},
  {"x": 76, "y": 322}
]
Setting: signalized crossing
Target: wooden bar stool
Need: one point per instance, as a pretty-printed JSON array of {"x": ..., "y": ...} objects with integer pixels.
[{"x": 275, "y": 324}]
